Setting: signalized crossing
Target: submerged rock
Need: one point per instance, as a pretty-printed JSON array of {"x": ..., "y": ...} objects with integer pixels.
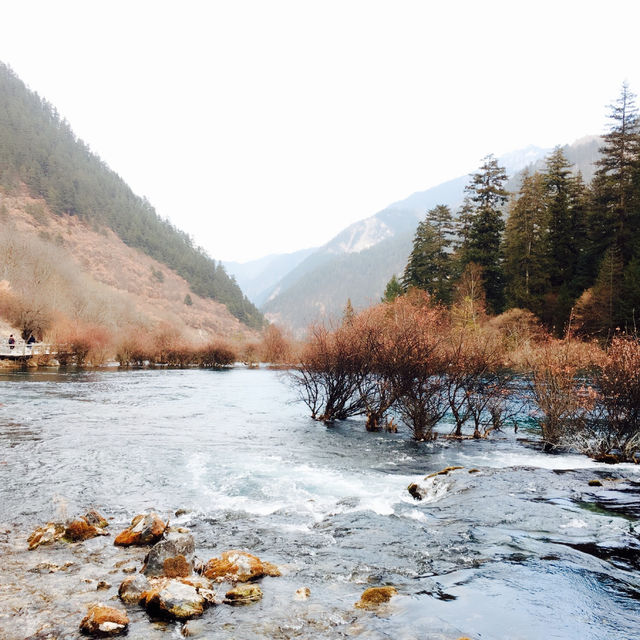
[
  {"x": 243, "y": 594},
  {"x": 145, "y": 529},
  {"x": 303, "y": 593},
  {"x": 103, "y": 622},
  {"x": 80, "y": 530},
  {"x": 238, "y": 566},
  {"x": 132, "y": 588},
  {"x": 171, "y": 557},
  {"x": 46, "y": 534},
  {"x": 375, "y": 596},
  {"x": 443, "y": 472},
  {"x": 178, "y": 599}
]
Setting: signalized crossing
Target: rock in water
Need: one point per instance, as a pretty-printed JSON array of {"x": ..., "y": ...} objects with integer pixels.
[
  {"x": 145, "y": 529},
  {"x": 46, "y": 534},
  {"x": 177, "y": 599},
  {"x": 104, "y": 622},
  {"x": 94, "y": 518},
  {"x": 172, "y": 556},
  {"x": 243, "y": 594},
  {"x": 132, "y": 588},
  {"x": 303, "y": 593},
  {"x": 375, "y": 596},
  {"x": 238, "y": 566},
  {"x": 79, "y": 530}
]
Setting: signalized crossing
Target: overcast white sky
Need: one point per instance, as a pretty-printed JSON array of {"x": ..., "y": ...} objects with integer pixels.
[{"x": 268, "y": 126}]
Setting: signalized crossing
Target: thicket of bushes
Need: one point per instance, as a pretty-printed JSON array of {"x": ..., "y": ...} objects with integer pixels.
[{"x": 416, "y": 361}]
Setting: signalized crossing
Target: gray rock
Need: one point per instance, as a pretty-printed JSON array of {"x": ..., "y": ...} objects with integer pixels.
[
  {"x": 173, "y": 556},
  {"x": 132, "y": 588}
]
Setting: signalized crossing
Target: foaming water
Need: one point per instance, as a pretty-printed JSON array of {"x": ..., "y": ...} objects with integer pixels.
[{"x": 522, "y": 549}]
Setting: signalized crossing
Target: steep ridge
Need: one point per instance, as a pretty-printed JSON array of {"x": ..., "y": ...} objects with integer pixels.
[
  {"x": 59, "y": 264},
  {"x": 40, "y": 153}
]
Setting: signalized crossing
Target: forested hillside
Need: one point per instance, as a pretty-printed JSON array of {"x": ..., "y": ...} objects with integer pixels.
[
  {"x": 38, "y": 149},
  {"x": 568, "y": 250},
  {"x": 359, "y": 261}
]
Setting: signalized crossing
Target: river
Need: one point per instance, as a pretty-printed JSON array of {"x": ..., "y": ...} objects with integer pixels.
[{"x": 524, "y": 549}]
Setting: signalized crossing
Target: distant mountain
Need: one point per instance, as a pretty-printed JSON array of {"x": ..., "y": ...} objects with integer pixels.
[
  {"x": 358, "y": 262},
  {"x": 258, "y": 278}
]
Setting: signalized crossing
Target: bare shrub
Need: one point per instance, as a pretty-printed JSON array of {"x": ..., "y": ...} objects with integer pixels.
[
  {"x": 615, "y": 427},
  {"x": 275, "y": 346},
  {"x": 329, "y": 374},
  {"x": 560, "y": 395},
  {"x": 216, "y": 354},
  {"x": 134, "y": 349},
  {"x": 81, "y": 345}
]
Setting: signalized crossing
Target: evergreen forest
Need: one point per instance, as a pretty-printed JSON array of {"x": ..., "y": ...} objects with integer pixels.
[
  {"x": 38, "y": 149},
  {"x": 566, "y": 250}
]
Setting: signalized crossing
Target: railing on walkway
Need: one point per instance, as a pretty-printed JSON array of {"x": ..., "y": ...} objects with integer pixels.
[{"x": 23, "y": 350}]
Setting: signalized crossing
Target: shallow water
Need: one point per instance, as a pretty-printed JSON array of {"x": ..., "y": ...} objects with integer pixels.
[{"x": 523, "y": 550}]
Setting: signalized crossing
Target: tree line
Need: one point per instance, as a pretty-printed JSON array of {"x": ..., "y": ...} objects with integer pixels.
[
  {"x": 39, "y": 149},
  {"x": 567, "y": 251}
]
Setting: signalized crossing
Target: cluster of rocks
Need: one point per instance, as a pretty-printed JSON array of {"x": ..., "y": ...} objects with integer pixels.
[{"x": 172, "y": 583}]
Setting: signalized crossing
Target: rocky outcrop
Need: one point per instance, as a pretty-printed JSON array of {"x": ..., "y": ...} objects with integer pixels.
[
  {"x": 172, "y": 556},
  {"x": 178, "y": 599},
  {"x": 375, "y": 596},
  {"x": 243, "y": 594},
  {"x": 238, "y": 566},
  {"x": 46, "y": 534},
  {"x": 94, "y": 518},
  {"x": 104, "y": 622},
  {"x": 145, "y": 529}
]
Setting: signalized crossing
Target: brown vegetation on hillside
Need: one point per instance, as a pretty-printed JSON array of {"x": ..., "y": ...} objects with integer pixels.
[{"x": 83, "y": 290}]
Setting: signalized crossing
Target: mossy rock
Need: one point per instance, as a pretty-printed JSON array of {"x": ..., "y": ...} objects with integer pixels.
[{"x": 375, "y": 596}]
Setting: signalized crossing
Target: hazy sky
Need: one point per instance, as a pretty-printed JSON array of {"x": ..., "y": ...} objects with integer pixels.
[{"x": 268, "y": 126}]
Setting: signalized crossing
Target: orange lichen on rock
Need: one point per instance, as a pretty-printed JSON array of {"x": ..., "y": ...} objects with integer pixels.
[
  {"x": 104, "y": 621},
  {"x": 145, "y": 529},
  {"x": 177, "y": 567},
  {"x": 443, "y": 472},
  {"x": 79, "y": 530},
  {"x": 46, "y": 534},
  {"x": 238, "y": 566},
  {"x": 375, "y": 596}
]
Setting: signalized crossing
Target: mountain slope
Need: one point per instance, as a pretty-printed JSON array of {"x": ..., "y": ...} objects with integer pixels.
[
  {"x": 358, "y": 262},
  {"x": 39, "y": 150},
  {"x": 257, "y": 278}
]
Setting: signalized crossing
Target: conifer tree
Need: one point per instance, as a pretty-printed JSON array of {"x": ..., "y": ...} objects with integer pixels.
[
  {"x": 488, "y": 196},
  {"x": 429, "y": 265},
  {"x": 526, "y": 246},
  {"x": 392, "y": 290},
  {"x": 615, "y": 207}
]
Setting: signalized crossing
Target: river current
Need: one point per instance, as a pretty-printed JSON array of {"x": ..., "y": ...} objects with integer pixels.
[{"x": 523, "y": 549}]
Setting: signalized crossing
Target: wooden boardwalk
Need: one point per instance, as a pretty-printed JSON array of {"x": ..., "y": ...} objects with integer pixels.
[{"x": 23, "y": 351}]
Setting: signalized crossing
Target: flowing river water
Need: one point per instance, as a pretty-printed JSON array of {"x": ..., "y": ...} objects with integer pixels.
[{"x": 524, "y": 549}]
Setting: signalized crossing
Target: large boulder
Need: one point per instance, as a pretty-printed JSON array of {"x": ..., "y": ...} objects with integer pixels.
[
  {"x": 46, "y": 534},
  {"x": 104, "y": 622},
  {"x": 238, "y": 566},
  {"x": 132, "y": 588},
  {"x": 171, "y": 557},
  {"x": 178, "y": 599},
  {"x": 145, "y": 528}
]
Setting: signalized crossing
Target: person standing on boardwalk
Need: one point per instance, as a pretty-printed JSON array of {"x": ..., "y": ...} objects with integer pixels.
[{"x": 12, "y": 341}]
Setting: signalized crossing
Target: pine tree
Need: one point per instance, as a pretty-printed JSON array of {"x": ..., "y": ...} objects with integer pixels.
[
  {"x": 615, "y": 205},
  {"x": 526, "y": 246},
  {"x": 488, "y": 196},
  {"x": 392, "y": 290},
  {"x": 429, "y": 265}
]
